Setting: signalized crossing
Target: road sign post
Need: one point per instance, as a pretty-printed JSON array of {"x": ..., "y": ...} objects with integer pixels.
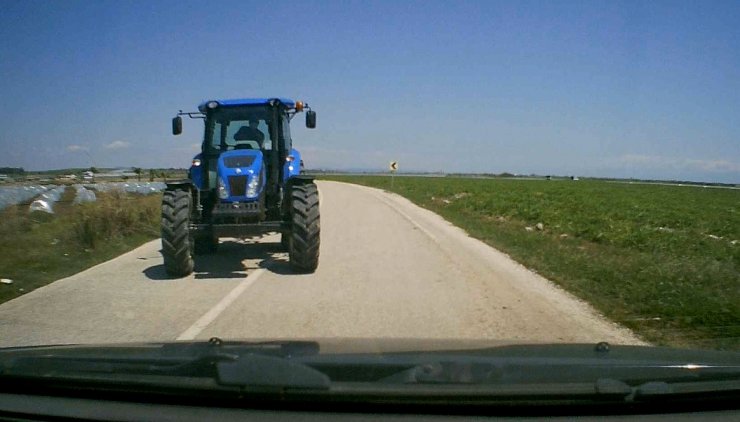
[{"x": 393, "y": 167}]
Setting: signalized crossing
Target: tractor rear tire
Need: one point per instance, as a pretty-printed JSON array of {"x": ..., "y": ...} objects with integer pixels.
[
  {"x": 304, "y": 241},
  {"x": 177, "y": 241}
]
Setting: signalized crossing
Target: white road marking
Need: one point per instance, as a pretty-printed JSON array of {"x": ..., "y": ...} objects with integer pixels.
[{"x": 221, "y": 306}]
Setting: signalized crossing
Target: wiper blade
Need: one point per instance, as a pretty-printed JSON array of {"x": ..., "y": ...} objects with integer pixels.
[
  {"x": 56, "y": 365},
  {"x": 479, "y": 370},
  {"x": 265, "y": 364},
  {"x": 268, "y": 371},
  {"x": 515, "y": 378},
  {"x": 660, "y": 389}
]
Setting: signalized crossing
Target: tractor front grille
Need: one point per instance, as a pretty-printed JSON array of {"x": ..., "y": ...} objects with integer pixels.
[
  {"x": 236, "y": 161},
  {"x": 237, "y": 185}
]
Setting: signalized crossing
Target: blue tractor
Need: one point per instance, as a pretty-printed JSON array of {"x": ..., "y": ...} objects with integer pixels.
[{"x": 246, "y": 181}]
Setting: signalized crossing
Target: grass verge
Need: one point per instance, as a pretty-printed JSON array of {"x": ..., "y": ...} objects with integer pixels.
[
  {"x": 39, "y": 248},
  {"x": 661, "y": 260}
]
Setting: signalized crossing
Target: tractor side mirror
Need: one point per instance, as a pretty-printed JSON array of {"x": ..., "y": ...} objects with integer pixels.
[
  {"x": 177, "y": 125},
  {"x": 310, "y": 119}
]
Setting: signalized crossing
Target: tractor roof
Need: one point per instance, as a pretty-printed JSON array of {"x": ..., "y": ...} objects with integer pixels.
[{"x": 248, "y": 101}]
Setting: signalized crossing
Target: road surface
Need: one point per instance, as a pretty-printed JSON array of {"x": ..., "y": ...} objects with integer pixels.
[{"x": 388, "y": 269}]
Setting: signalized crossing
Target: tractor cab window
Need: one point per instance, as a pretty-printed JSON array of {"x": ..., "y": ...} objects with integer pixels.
[
  {"x": 247, "y": 134},
  {"x": 231, "y": 129},
  {"x": 286, "y": 133}
]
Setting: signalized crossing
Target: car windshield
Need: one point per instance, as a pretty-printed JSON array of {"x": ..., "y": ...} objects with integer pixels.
[{"x": 256, "y": 186}]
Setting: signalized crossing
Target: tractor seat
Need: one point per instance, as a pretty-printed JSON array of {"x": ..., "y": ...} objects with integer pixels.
[{"x": 246, "y": 133}]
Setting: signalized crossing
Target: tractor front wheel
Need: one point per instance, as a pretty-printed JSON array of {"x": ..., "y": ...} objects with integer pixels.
[
  {"x": 303, "y": 244},
  {"x": 177, "y": 241}
]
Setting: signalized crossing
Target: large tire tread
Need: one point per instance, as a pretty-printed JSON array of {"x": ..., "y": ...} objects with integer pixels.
[
  {"x": 177, "y": 244},
  {"x": 305, "y": 228}
]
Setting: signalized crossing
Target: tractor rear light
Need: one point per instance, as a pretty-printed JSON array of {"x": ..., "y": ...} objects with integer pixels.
[
  {"x": 222, "y": 192},
  {"x": 196, "y": 162}
]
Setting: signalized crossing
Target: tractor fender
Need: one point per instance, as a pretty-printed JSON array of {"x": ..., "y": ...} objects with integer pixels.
[
  {"x": 292, "y": 168},
  {"x": 183, "y": 184},
  {"x": 197, "y": 173},
  {"x": 301, "y": 179}
]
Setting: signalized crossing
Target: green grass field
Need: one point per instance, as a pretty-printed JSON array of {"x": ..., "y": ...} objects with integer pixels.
[
  {"x": 39, "y": 248},
  {"x": 662, "y": 260}
]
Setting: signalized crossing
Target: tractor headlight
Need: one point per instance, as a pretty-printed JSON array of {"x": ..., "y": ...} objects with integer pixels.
[
  {"x": 222, "y": 193},
  {"x": 252, "y": 186},
  {"x": 212, "y": 104}
]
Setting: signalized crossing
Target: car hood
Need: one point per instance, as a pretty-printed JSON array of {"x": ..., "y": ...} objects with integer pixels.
[{"x": 407, "y": 346}]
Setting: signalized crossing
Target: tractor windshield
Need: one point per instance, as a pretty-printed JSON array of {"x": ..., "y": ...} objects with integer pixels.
[{"x": 239, "y": 128}]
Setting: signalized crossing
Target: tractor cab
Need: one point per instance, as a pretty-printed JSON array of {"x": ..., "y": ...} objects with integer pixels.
[
  {"x": 247, "y": 154},
  {"x": 244, "y": 153},
  {"x": 247, "y": 178}
]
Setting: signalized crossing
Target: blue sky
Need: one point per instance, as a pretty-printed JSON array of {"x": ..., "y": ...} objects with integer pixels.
[{"x": 621, "y": 89}]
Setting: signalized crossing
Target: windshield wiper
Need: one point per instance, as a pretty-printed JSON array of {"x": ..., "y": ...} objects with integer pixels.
[
  {"x": 537, "y": 370},
  {"x": 522, "y": 377},
  {"x": 268, "y": 371},
  {"x": 265, "y": 364},
  {"x": 628, "y": 374}
]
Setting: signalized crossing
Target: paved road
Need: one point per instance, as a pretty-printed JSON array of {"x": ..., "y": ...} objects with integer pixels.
[{"x": 388, "y": 269}]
